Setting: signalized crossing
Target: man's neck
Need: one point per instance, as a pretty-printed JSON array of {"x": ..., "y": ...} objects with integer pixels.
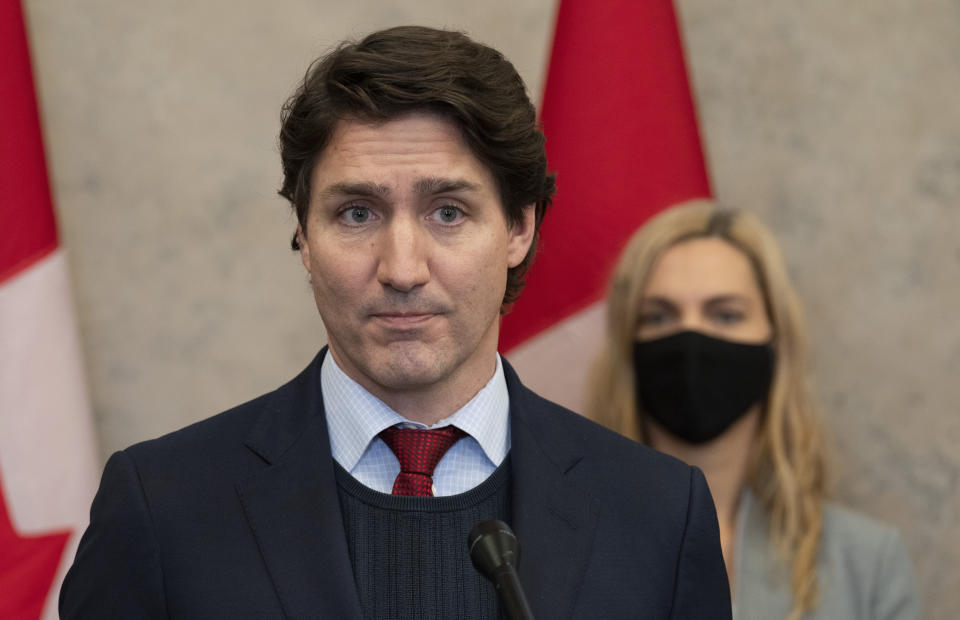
[{"x": 429, "y": 404}]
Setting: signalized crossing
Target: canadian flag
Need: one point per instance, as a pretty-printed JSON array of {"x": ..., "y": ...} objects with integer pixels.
[
  {"x": 622, "y": 137},
  {"x": 48, "y": 459}
]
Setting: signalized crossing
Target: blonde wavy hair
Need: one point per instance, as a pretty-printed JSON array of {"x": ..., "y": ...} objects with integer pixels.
[{"x": 787, "y": 466}]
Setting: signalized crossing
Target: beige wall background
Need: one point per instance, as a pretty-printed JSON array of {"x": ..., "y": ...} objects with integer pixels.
[{"x": 839, "y": 123}]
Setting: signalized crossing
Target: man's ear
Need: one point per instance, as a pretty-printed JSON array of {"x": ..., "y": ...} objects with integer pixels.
[
  {"x": 521, "y": 236},
  {"x": 304, "y": 248}
]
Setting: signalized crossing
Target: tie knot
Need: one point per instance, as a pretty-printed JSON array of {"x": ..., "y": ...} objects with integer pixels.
[{"x": 419, "y": 451}]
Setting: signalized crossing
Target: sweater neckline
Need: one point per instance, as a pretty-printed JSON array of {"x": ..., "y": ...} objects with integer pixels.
[{"x": 406, "y": 503}]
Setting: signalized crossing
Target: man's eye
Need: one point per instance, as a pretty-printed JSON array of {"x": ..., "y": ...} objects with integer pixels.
[
  {"x": 448, "y": 214},
  {"x": 356, "y": 215}
]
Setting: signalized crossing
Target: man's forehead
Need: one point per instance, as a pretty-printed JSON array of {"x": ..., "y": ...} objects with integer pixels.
[
  {"x": 352, "y": 132},
  {"x": 420, "y": 152}
]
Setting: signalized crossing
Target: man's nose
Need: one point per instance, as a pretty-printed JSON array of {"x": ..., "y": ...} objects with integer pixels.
[{"x": 403, "y": 255}]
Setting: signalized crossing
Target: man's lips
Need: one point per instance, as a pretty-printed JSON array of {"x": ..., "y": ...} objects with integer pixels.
[{"x": 403, "y": 320}]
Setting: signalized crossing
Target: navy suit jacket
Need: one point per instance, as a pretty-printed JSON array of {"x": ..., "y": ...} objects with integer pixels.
[{"x": 238, "y": 516}]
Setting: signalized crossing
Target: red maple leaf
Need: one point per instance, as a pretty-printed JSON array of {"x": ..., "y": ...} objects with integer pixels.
[{"x": 28, "y": 565}]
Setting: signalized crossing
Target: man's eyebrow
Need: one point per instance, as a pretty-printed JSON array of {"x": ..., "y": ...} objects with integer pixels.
[
  {"x": 359, "y": 188},
  {"x": 440, "y": 185},
  {"x": 427, "y": 186}
]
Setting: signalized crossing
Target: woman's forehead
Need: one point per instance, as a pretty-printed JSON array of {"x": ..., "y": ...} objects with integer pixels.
[{"x": 702, "y": 267}]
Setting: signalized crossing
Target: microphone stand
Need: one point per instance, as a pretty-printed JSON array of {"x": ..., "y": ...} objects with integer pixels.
[{"x": 494, "y": 550}]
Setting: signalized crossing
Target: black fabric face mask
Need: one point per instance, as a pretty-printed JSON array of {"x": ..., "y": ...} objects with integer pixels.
[{"x": 697, "y": 386}]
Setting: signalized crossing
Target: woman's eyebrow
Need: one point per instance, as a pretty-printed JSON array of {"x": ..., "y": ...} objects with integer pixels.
[
  {"x": 659, "y": 301},
  {"x": 728, "y": 298}
]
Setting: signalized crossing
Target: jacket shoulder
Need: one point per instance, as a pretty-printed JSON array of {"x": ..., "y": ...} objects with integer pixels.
[
  {"x": 226, "y": 428},
  {"x": 844, "y": 528},
  {"x": 267, "y": 424},
  {"x": 871, "y": 549},
  {"x": 574, "y": 432},
  {"x": 865, "y": 561},
  {"x": 863, "y": 569}
]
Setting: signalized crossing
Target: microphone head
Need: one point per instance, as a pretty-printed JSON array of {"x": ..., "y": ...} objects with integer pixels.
[{"x": 493, "y": 545}]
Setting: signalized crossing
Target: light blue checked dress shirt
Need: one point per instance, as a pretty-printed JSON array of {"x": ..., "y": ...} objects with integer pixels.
[{"x": 355, "y": 417}]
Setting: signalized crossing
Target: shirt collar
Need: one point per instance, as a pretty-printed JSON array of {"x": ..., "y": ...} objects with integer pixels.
[{"x": 355, "y": 416}]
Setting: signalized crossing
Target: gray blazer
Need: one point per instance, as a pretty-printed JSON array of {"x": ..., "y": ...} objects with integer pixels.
[{"x": 864, "y": 570}]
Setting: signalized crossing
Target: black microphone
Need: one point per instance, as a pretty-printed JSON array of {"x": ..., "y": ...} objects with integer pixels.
[{"x": 495, "y": 552}]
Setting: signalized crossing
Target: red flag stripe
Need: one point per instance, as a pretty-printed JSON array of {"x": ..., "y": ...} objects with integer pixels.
[
  {"x": 27, "y": 228},
  {"x": 28, "y": 565},
  {"x": 621, "y": 135}
]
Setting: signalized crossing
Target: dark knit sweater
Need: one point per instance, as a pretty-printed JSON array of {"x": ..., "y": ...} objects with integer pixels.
[{"x": 409, "y": 554}]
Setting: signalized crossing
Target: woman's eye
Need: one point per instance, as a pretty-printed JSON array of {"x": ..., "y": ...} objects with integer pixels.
[
  {"x": 653, "y": 318},
  {"x": 448, "y": 214},
  {"x": 728, "y": 317},
  {"x": 356, "y": 215}
]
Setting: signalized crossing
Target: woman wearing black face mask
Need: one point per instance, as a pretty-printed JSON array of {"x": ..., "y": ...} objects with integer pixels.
[{"x": 705, "y": 360}]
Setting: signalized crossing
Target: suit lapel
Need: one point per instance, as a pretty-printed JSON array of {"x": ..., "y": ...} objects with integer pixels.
[
  {"x": 293, "y": 507},
  {"x": 554, "y": 520}
]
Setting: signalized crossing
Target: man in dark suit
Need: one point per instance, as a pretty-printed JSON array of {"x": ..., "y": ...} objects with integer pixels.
[{"x": 418, "y": 176}]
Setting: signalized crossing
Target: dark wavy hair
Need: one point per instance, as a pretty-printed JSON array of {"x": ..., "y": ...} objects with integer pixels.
[{"x": 405, "y": 69}]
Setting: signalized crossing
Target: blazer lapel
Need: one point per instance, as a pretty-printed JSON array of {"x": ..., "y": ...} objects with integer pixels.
[
  {"x": 554, "y": 520},
  {"x": 293, "y": 507}
]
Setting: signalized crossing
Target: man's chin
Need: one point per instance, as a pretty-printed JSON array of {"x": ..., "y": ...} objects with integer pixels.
[
  {"x": 406, "y": 366},
  {"x": 408, "y": 373}
]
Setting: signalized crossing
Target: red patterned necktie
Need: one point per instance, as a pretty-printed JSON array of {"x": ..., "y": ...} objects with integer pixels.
[{"x": 419, "y": 451}]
